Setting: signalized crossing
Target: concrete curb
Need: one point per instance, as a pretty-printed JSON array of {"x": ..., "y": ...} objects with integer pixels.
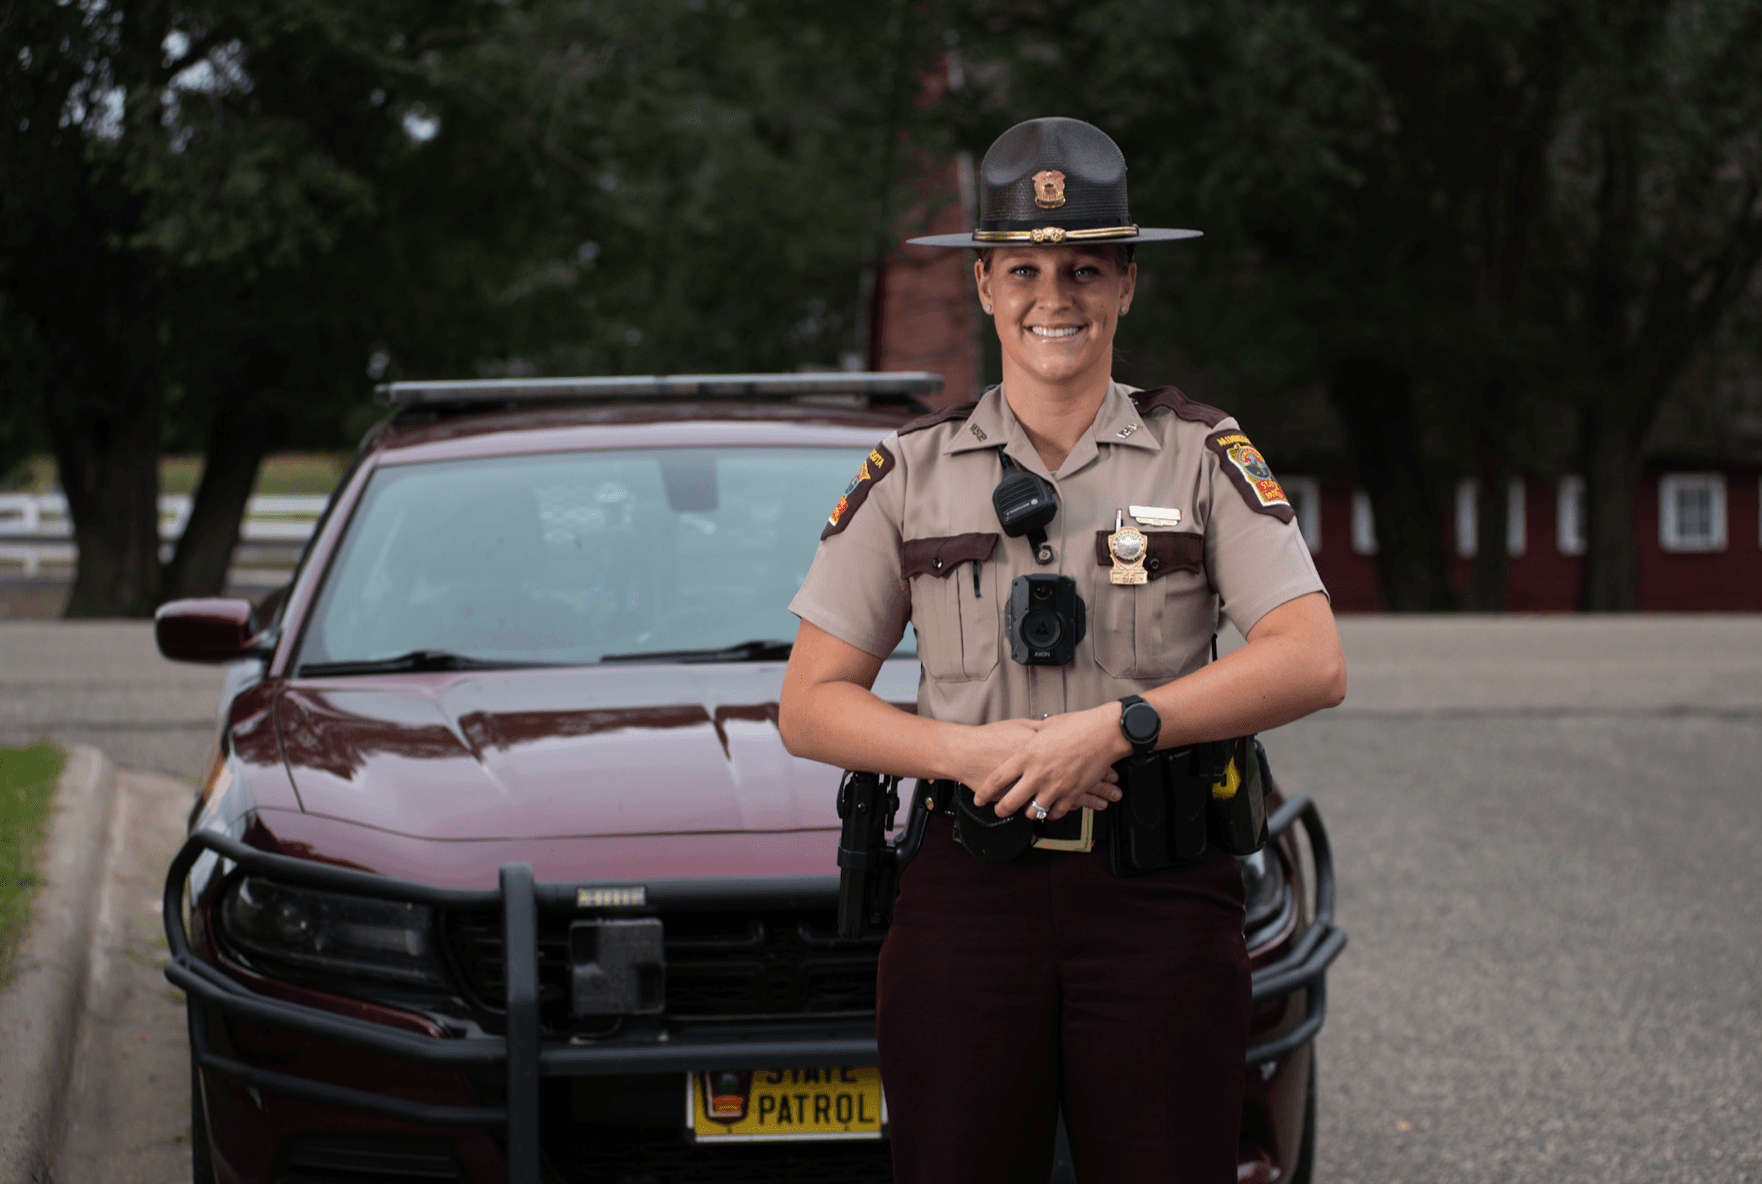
[{"x": 40, "y": 1010}]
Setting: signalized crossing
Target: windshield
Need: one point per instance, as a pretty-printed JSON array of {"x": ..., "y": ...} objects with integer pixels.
[{"x": 678, "y": 554}]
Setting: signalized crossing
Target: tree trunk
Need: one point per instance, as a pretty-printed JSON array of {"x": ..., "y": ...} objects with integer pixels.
[
  {"x": 1375, "y": 398},
  {"x": 238, "y": 438},
  {"x": 1613, "y": 458},
  {"x": 107, "y": 447},
  {"x": 1491, "y": 570}
]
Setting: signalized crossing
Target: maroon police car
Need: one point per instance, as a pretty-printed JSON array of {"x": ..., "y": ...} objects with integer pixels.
[{"x": 501, "y": 871}]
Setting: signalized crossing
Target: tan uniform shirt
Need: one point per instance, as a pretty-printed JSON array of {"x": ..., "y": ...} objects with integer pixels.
[{"x": 917, "y": 523}]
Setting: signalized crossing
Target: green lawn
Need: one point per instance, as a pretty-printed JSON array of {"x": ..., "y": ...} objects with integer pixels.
[
  {"x": 27, "y": 792},
  {"x": 283, "y": 474}
]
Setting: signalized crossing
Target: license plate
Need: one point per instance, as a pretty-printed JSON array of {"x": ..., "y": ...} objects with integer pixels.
[{"x": 731, "y": 1106}]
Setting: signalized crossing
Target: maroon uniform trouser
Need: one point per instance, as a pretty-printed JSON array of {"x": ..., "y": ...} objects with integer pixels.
[{"x": 1006, "y": 987}]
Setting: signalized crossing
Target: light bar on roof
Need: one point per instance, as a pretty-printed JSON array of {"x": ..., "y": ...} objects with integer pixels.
[{"x": 659, "y": 386}]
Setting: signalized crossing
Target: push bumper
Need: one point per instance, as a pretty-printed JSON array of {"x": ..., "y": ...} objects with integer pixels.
[
  {"x": 1305, "y": 965},
  {"x": 524, "y": 1057}
]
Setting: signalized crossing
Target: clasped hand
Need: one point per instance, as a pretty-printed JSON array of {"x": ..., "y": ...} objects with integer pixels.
[{"x": 1064, "y": 762}]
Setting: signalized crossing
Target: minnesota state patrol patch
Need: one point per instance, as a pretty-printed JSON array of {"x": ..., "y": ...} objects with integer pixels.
[
  {"x": 1250, "y": 473},
  {"x": 875, "y": 466}
]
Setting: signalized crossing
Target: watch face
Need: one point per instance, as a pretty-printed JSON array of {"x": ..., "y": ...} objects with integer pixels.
[{"x": 1142, "y": 723}]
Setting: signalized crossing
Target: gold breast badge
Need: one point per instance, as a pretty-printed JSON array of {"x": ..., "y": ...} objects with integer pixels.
[{"x": 1126, "y": 545}]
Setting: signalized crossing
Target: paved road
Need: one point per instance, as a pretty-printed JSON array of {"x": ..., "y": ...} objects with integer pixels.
[
  {"x": 1548, "y": 834},
  {"x": 103, "y": 683},
  {"x": 1547, "y": 830}
]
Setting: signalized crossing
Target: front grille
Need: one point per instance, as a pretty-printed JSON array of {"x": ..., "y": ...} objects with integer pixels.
[
  {"x": 355, "y": 1159},
  {"x": 721, "y": 965}
]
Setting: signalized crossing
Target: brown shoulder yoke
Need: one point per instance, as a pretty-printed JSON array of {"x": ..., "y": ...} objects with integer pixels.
[
  {"x": 941, "y": 415},
  {"x": 1181, "y": 405}
]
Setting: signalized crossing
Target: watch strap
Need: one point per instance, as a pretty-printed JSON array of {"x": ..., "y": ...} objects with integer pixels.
[{"x": 1141, "y": 747}]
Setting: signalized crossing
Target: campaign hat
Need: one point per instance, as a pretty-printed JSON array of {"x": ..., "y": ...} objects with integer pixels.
[{"x": 1052, "y": 181}]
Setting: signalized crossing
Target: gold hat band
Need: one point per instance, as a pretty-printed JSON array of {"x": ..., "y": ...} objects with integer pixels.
[{"x": 1053, "y": 234}]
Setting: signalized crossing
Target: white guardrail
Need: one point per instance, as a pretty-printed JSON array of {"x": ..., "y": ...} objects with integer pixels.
[{"x": 35, "y": 529}]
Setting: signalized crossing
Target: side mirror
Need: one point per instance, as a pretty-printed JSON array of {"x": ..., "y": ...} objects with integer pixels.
[{"x": 207, "y": 630}]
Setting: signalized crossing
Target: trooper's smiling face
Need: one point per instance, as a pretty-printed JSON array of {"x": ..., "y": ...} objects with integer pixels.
[{"x": 1056, "y": 307}]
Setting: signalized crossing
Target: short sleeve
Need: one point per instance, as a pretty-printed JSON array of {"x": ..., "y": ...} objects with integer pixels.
[
  {"x": 853, "y": 588},
  {"x": 1253, "y": 549}
]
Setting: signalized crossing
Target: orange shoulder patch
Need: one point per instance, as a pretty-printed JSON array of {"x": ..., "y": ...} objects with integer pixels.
[
  {"x": 1250, "y": 474},
  {"x": 875, "y": 466}
]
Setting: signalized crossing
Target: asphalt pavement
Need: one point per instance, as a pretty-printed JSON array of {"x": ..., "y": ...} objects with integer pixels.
[
  {"x": 1547, "y": 834},
  {"x": 1547, "y": 831},
  {"x": 103, "y": 683}
]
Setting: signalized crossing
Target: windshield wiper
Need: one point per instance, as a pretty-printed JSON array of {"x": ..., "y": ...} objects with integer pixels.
[
  {"x": 746, "y": 651},
  {"x": 416, "y": 661}
]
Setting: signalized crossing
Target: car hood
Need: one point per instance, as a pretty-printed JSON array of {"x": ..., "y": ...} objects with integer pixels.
[{"x": 582, "y": 752}]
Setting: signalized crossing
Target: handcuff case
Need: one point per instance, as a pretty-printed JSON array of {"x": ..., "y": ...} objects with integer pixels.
[{"x": 984, "y": 834}]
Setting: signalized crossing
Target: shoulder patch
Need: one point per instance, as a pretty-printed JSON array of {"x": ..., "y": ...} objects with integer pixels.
[
  {"x": 1250, "y": 473},
  {"x": 875, "y": 466},
  {"x": 941, "y": 415},
  {"x": 1181, "y": 405}
]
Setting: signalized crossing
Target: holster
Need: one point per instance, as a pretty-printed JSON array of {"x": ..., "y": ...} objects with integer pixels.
[{"x": 869, "y": 860}]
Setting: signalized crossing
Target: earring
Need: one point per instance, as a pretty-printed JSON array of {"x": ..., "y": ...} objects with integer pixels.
[
  {"x": 1122, "y": 310},
  {"x": 987, "y": 308}
]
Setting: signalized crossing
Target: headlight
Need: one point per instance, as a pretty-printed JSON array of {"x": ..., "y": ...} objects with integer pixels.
[
  {"x": 329, "y": 932},
  {"x": 1268, "y": 891}
]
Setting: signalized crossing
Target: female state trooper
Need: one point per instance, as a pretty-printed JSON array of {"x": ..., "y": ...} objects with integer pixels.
[{"x": 1008, "y": 988}]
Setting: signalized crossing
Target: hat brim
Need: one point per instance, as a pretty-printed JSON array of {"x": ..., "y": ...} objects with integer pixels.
[{"x": 1146, "y": 234}]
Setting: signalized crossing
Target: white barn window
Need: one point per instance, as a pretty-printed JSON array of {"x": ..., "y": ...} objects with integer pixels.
[
  {"x": 1305, "y": 495},
  {"x": 1468, "y": 518},
  {"x": 1691, "y": 512},
  {"x": 1569, "y": 515},
  {"x": 1364, "y": 527}
]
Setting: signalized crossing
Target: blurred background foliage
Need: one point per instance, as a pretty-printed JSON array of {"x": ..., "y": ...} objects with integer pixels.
[{"x": 1443, "y": 239}]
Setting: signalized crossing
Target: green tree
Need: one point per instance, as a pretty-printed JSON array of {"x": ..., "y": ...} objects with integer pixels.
[
  {"x": 1472, "y": 225},
  {"x": 1658, "y": 230},
  {"x": 721, "y": 173},
  {"x": 1263, "y": 125},
  {"x": 21, "y": 430},
  {"x": 179, "y": 180},
  {"x": 294, "y": 143},
  {"x": 228, "y": 220}
]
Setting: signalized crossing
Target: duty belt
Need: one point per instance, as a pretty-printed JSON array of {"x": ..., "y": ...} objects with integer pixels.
[
  {"x": 1174, "y": 806},
  {"x": 1000, "y": 839}
]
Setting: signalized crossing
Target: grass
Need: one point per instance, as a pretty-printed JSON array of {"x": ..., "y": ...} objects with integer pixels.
[
  {"x": 27, "y": 794},
  {"x": 285, "y": 474}
]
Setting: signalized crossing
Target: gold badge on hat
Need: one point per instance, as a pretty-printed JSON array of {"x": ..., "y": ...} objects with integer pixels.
[
  {"x": 1049, "y": 189},
  {"x": 1126, "y": 545}
]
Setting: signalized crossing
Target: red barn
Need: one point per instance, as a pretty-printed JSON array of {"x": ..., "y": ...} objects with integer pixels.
[{"x": 1700, "y": 540}]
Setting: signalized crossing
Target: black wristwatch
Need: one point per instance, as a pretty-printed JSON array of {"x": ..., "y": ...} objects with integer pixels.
[{"x": 1140, "y": 724}]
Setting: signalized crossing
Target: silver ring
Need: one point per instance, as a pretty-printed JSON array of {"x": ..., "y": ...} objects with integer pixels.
[{"x": 1040, "y": 812}]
